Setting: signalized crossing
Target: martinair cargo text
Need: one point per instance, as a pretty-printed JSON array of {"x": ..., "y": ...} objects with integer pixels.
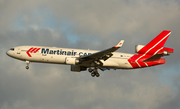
[{"x": 81, "y": 60}]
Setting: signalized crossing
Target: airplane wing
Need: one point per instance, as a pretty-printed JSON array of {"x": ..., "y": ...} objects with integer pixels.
[{"x": 102, "y": 55}]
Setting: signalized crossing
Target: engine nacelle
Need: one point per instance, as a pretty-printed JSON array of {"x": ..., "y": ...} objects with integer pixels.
[
  {"x": 77, "y": 68},
  {"x": 138, "y": 48},
  {"x": 166, "y": 53},
  {"x": 71, "y": 61},
  {"x": 170, "y": 50}
]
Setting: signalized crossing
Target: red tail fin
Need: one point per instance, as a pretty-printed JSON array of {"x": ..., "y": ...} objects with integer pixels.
[
  {"x": 160, "y": 39},
  {"x": 156, "y": 44},
  {"x": 150, "y": 54}
]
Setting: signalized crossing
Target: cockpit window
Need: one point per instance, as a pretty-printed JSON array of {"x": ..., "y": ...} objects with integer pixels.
[{"x": 12, "y": 49}]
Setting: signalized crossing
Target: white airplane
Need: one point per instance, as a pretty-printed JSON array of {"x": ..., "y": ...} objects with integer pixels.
[{"x": 81, "y": 60}]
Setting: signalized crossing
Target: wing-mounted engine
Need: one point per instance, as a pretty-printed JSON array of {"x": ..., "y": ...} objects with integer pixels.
[
  {"x": 77, "y": 68},
  {"x": 72, "y": 61}
]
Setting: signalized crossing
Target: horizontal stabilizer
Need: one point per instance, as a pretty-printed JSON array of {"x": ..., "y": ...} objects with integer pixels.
[{"x": 154, "y": 58}]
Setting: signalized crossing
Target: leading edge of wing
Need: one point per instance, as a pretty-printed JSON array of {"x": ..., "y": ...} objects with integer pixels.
[{"x": 104, "y": 53}]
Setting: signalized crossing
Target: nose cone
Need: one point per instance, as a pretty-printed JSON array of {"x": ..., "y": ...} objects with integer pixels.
[
  {"x": 11, "y": 53},
  {"x": 8, "y": 53}
]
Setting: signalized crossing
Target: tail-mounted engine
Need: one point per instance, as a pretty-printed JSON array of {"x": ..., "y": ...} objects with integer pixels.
[
  {"x": 167, "y": 51},
  {"x": 138, "y": 48}
]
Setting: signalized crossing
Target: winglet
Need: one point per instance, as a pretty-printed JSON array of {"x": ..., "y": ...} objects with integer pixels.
[{"x": 120, "y": 44}]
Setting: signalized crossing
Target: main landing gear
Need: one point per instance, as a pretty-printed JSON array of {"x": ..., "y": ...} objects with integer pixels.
[
  {"x": 27, "y": 67},
  {"x": 94, "y": 72}
]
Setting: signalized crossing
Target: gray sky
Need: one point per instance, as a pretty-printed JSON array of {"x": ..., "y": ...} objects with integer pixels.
[{"x": 88, "y": 24}]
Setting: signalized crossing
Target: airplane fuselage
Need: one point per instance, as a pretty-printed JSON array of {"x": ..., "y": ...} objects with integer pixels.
[{"x": 60, "y": 55}]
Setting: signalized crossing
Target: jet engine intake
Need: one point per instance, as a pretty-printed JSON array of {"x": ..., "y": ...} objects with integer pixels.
[{"x": 166, "y": 53}]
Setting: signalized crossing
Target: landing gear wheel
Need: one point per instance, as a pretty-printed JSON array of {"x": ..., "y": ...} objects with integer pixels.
[
  {"x": 97, "y": 74},
  {"x": 27, "y": 67},
  {"x": 90, "y": 70},
  {"x": 93, "y": 74},
  {"x": 27, "y": 62}
]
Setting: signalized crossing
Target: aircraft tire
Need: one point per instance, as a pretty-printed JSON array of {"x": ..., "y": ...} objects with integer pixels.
[
  {"x": 27, "y": 67},
  {"x": 90, "y": 70},
  {"x": 97, "y": 74},
  {"x": 93, "y": 74}
]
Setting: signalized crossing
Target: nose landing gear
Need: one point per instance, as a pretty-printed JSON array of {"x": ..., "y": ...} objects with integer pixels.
[{"x": 27, "y": 67}]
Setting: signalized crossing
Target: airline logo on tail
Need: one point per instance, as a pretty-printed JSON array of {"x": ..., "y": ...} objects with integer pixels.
[{"x": 32, "y": 50}]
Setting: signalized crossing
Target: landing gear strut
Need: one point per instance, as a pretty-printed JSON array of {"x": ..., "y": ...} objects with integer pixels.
[
  {"x": 94, "y": 72},
  {"x": 27, "y": 67}
]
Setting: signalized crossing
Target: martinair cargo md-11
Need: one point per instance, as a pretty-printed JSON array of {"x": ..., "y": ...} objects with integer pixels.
[{"x": 81, "y": 60}]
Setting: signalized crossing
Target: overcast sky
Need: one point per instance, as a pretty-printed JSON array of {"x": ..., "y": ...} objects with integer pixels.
[{"x": 88, "y": 24}]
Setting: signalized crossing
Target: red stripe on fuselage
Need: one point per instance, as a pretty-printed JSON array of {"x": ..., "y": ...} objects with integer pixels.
[
  {"x": 33, "y": 50},
  {"x": 140, "y": 63},
  {"x": 37, "y": 50},
  {"x": 29, "y": 51}
]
